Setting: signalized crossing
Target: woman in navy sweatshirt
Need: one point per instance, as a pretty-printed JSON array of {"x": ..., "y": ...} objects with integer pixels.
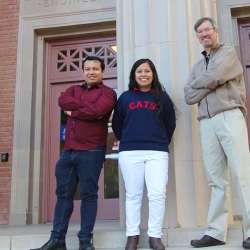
[{"x": 144, "y": 122}]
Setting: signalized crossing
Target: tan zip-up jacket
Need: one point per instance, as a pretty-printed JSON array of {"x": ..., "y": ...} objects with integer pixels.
[{"x": 218, "y": 88}]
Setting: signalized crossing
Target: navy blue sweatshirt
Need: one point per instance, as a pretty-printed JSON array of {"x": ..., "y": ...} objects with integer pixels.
[{"x": 135, "y": 124}]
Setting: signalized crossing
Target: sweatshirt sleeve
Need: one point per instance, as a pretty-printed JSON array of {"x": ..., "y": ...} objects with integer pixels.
[
  {"x": 118, "y": 120},
  {"x": 224, "y": 68},
  {"x": 170, "y": 119}
]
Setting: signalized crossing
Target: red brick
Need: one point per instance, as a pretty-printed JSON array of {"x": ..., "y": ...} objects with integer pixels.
[
  {"x": 4, "y": 195},
  {"x": 9, "y": 17}
]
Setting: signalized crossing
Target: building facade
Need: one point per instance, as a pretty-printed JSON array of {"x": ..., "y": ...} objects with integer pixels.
[{"x": 42, "y": 55}]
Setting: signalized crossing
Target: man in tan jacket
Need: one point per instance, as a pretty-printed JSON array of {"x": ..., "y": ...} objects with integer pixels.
[{"x": 217, "y": 85}]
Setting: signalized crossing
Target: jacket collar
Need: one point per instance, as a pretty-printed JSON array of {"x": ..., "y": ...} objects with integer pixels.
[{"x": 215, "y": 48}]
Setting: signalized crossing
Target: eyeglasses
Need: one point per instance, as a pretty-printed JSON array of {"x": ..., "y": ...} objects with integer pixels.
[{"x": 200, "y": 32}]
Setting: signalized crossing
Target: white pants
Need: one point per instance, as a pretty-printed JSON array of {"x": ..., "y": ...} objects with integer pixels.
[
  {"x": 224, "y": 137},
  {"x": 152, "y": 167}
]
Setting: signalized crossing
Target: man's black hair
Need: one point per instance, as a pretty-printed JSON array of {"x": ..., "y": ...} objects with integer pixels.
[{"x": 94, "y": 58}]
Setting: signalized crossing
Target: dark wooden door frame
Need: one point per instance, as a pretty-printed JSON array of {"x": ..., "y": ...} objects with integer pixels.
[
  {"x": 55, "y": 79},
  {"x": 244, "y": 39}
]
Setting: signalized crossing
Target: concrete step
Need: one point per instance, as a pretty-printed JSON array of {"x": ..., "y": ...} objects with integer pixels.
[
  {"x": 108, "y": 235},
  {"x": 226, "y": 247}
]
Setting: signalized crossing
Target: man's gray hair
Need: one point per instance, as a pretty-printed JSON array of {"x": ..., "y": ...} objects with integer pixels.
[{"x": 203, "y": 19}]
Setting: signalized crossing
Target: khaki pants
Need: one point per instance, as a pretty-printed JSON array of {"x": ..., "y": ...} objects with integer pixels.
[{"x": 224, "y": 140}]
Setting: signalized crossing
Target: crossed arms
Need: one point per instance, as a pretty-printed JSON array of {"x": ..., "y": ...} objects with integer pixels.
[
  {"x": 226, "y": 67},
  {"x": 85, "y": 110}
]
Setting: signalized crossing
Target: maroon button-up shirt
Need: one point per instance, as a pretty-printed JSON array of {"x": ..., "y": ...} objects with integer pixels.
[{"x": 87, "y": 126}]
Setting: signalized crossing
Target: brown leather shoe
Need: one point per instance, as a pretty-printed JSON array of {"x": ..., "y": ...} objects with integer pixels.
[
  {"x": 246, "y": 243},
  {"x": 155, "y": 243},
  {"x": 206, "y": 241},
  {"x": 132, "y": 242}
]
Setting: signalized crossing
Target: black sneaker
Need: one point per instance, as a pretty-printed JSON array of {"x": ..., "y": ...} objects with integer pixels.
[
  {"x": 52, "y": 245},
  {"x": 86, "y": 245},
  {"x": 246, "y": 243}
]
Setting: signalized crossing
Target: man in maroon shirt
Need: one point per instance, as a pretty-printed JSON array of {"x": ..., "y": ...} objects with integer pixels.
[{"x": 88, "y": 107}]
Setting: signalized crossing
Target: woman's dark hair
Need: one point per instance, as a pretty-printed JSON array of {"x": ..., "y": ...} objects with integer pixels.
[
  {"x": 156, "y": 85},
  {"x": 94, "y": 58}
]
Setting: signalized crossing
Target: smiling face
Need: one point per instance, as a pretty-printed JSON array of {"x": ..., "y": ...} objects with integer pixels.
[
  {"x": 144, "y": 77},
  {"x": 92, "y": 72},
  {"x": 207, "y": 35}
]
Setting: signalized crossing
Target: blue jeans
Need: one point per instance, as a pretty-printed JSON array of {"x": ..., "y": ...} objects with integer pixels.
[{"x": 74, "y": 166}]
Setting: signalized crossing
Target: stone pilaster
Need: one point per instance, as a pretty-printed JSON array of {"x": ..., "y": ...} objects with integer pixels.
[{"x": 164, "y": 33}]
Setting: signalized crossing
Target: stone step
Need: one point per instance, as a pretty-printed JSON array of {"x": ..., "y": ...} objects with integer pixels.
[
  {"x": 226, "y": 247},
  {"x": 108, "y": 236}
]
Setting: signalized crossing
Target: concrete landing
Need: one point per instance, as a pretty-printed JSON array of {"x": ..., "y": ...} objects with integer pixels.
[{"x": 108, "y": 235}]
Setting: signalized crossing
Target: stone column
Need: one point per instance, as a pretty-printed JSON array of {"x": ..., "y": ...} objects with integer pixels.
[{"x": 164, "y": 33}]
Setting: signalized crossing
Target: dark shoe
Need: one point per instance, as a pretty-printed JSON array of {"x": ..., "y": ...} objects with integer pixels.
[
  {"x": 132, "y": 242},
  {"x": 52, "y": 245},
  {"x": 246, "y": 243},
  {"x": 155, "y": 243},
  {"x": 206, "y": 241},
  {"x": 86, "y": 245}
]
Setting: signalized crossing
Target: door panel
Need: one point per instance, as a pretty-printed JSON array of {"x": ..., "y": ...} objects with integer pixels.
[{"x": 108, "y": 195}]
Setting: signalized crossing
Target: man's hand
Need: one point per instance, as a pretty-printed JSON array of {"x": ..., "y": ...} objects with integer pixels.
[{"x": 67, "y": 113}]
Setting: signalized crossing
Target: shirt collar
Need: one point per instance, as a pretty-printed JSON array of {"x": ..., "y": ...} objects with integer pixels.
[{"x": 98, "y": 85}]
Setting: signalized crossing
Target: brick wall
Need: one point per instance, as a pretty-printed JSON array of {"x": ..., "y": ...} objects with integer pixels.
[{"x": 9, "y": 12}]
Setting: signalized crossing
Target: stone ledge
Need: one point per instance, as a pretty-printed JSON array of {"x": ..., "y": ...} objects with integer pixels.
[{"x": 116, "y": 239}]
